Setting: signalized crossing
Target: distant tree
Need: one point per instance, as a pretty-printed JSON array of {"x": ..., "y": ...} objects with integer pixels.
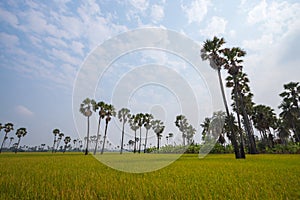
[
  {"x": 134, "y": 126},
  {"x": 182, "y": 124},
  {"x": 98, "y": 106},
  {"x": 55, "y": 133},
  {"x": 7, "y": 128},
  {"x": 21, "y": 132},
  {"x": 10, "y": 141},
  {"x": 158, "y": 128},
  {"x": 124, "y": 116},
  {"x": 60, "y": 136},
  {"x": 67, "y": 140},
  {"x": 109, "y": 112},
  {"x": 85, "y": 109},
  {"x": 148, "y": 125},
  {"x": 139, "y": 120}
]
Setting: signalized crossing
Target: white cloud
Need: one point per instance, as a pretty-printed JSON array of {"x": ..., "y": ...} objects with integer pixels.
[
  {"x": 196, "y": 11},
  {"x": 258, "y": 13},
  {"x": 215, "y": 27},
  {"x": 8, "y": 17},
  {"x": 9, "y": 41},
  {"x": 157, "y": 13},
  {"x": 140, "y": 5},
  {"x": 23, "y": 111}
]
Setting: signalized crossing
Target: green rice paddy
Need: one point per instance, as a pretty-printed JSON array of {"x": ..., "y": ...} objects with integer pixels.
[{"x": 75, "y": 176}]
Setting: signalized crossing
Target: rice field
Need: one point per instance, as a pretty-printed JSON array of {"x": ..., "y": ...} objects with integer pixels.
[{"x": 75, "y": 176}]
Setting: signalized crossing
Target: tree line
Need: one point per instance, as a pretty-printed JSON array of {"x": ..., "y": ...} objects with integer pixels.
[{"x": 8, "y": 127}]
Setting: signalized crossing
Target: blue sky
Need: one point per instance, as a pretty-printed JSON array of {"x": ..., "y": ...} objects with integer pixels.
[{"x": 43, "y": 45}]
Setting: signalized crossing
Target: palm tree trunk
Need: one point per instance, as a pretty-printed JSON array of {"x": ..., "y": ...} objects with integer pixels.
[
  {"x": 157, "y": 142},
  {"x": 104, "y": 138},
  {"x": 54, "y": 144},
  {"x": 17, "y": 145},
  {"x": 98, "y": 136},
  {"x": 134, "y": 150},
  {"x": 122, "y": 141},
  {"x": 233, "y": 135},
  {"x": 88, "y": 135},
  {"x": 145, "y": 148},
  {"x": 140, "y": 145},
  {"x": 3, "y": 141},
  {"x": 242, "y": 151}
]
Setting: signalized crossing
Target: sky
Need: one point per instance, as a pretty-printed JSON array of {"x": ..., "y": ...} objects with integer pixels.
[{"x": 52, "y": 51}]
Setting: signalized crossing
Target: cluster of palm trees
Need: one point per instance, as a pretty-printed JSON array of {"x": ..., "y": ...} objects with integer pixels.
[
  {"x": 136, "y": 122},
  {"x": 187, "y": 130},
  {"x": 239, "y": 128},
  {"x": 8, "y": 127},
  {"x": 58, "y": 136}
]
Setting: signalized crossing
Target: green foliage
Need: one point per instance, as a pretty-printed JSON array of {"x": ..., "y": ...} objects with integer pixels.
[{"x": 73, "y": 176}]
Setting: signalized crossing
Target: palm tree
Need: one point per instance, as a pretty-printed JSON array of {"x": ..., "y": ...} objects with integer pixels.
[
  {"x": 190, "y": 132},
  {"x": 85, "y": 109},
  {"x": 290, "y": 108},
  {"x": 109, "y": 112},
  {"x": 240, "y": 85},
  {"x": 7, "y": 128},
  {"x": 212, "y": 51},
  {"x": 171, "y": 136},
  {"x": 139, "y": 118},
  {"x": 55, "y": 133},
  {"x": 100, "y": 105},
  {"x": 60, "y": 136},
  {"x": 148, "y": 125},
  {"x": 233, "y": 59},
  {"x": 124, "y": 116},
  {"x": 205, "y": 125},
  {"x": 21, "y": 132},
  {"x": 10, "y": 141},
  {"x": 158, "y": 127},
  {"x": 182, "y": 124},
  {"x": 134, "y": 126},
  {"x": 66, "y": 140}
]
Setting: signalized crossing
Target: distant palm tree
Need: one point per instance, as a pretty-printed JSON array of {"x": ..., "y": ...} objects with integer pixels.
[
  {"x": 7, "y": 128},
  {"x": 124, "y": 116},
  {"x": 134, "y": 126},
  {"x": 158, "y": 127},
  {"x": 60, "y": 136},
  {"x": 98, "y": 106},
  {"x": 147, "y": 121},
  {"x": 85, "y": 109},
  {"x": 182, "y": 124},
  {"x": 21, "y": 132},
  {"x": 171, "y": 135},
  {"x": 55, "y": 133},
  {"x": 10, "y": 141},
  {"x": 139, "y": 120},
  {"x": 109, "y": 112},
  {"x": 66, "y": 140}
]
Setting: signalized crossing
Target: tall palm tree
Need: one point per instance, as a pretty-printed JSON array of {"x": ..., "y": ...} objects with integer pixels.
[
  {"x": 233, "y": 61},
  {"x": 148, "y": 125},
  {"x": 98, "y": 106},
  {"x": 60, "y": 136},
  {"x": 55, "y": 133},
  {"x": 85, "y": 109},
  {"x": 240, "y": 84},
  {"x": 66, "y": 140},
  {"x": 212, "y": 51},
  {"x": 182, "y": 124},
  {"x": 158, "y": 128},
  {"x": 134, "y": 126},
  {"x": 124, "y": 116},
  {"x": 7, "y": 128},
  {"x": 21, "y": 132},
  {"x": 110, "y": 112},
  {"x": 205, "y": 125}
]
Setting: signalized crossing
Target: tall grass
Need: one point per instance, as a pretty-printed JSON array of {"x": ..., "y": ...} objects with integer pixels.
[{"x": 74, "y": 176}]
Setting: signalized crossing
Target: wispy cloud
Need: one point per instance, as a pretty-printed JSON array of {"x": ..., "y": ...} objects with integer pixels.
[
  {"x": 23, "y": 111},
  {"x": 196, "y": 10}
]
